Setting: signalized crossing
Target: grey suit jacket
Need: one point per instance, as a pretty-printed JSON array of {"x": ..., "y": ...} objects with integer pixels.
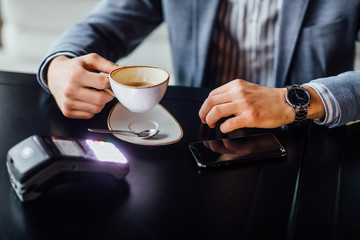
[{"x": 316, "y": 41}]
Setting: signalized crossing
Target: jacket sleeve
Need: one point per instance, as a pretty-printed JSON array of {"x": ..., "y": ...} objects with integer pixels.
[
  {"x": 345, "y": 87},
  {"x": 112, "y": 30}
]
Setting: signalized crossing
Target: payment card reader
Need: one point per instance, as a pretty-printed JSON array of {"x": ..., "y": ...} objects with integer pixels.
[{"x": 40, "y": 162}]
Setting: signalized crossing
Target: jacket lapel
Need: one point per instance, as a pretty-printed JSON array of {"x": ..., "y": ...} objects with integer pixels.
[{"x": 291, "y": 18}]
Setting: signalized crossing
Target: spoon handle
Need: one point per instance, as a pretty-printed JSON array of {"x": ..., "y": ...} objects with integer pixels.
[{"x": 97, "y": 130}]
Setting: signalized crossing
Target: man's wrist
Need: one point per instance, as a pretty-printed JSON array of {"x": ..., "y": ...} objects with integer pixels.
[
  {"x": 44, "y": 67},
  {"x": 53, "y": 62},
  {"x": 316, "y": 108},
  {"x": 288, "y": 110}
]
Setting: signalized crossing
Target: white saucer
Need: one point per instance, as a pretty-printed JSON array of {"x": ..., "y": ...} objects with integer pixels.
[{"x": 121, "y": 118}]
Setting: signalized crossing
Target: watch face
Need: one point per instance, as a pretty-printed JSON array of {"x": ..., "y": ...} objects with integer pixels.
[{"x": 298, "y": 96}]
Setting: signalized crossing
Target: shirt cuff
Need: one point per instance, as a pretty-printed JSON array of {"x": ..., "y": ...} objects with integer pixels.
[
  {"x": 42, "y": 74},
  {"x": 332, "y": 108}
]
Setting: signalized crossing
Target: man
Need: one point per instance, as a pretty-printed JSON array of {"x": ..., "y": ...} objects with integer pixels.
[{"x": 277, "y": 43}]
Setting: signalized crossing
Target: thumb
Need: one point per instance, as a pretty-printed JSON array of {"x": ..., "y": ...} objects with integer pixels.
[{"x": 94, "y": 62}]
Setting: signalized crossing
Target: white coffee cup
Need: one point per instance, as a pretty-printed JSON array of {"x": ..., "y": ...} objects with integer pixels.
[{"x": 139, "y": 88}]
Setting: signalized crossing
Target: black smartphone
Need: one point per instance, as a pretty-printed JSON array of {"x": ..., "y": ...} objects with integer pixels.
[{"x": 226, "y": 151}]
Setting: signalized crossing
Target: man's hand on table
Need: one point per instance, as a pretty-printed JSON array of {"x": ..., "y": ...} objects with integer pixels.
[
  {"x": 76, "y": 85},
  {"x": 254, "y": 106}
]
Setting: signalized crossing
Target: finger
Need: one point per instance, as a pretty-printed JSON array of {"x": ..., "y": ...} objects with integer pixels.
[
  {"x": 95, "y": 62},
  {"x": 234, "y": 123},
  {"x": 80, "y": 107},
  {"x": 219, "y": 111},
  {"x": 217, "y": 96},
  {"x": 210, "y": 103},
  {"x": 93, "y": 96},
  {"x": 79, "y": 114},
  {"x": 94, "y": 80}
]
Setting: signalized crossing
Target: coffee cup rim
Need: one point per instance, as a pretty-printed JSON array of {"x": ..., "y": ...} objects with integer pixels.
[{"x": 127, "y": 67}]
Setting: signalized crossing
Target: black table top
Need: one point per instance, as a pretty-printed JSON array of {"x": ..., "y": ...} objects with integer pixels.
[{"x": 313, "y": 194}]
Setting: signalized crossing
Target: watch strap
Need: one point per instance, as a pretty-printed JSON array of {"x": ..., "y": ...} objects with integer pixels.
[{"x": 300, "y": 114}]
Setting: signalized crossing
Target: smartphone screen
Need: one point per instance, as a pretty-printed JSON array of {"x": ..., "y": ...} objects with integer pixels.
[{"x": 236, "y": 150}]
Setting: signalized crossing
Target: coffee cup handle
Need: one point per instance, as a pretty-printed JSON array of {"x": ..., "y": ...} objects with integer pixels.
[{"x": 109, "y": 92}]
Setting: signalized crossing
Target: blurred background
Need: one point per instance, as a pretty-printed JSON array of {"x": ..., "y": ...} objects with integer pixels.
[{"x": 29, "y": 27}]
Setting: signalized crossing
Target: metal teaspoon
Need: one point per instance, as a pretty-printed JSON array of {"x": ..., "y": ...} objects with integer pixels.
[{"x": 148, "y": 133}]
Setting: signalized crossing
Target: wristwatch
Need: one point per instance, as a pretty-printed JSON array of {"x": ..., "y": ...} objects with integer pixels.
[{"x": 299, "y": 99}]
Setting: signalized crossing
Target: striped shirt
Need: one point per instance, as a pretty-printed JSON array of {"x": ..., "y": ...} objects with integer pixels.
[
  {"x": 243, "y": 42},
  {"x": 243, "y": 45}
]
